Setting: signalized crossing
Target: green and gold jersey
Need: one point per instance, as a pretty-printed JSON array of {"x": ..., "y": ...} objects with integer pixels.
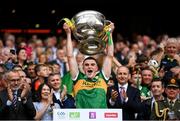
[{"x": 90, "y": 93}]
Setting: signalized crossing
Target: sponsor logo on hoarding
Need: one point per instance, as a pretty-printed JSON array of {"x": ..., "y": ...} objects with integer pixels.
[
  {"x": 61, "y": 115},
  {"x": 111, "y": 115},
  {"x": 74, "y": 115},
  {"x": 92, "y": 115}
]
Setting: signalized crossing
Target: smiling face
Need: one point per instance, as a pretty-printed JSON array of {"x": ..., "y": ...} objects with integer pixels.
[
  {"x": 45, "y": 92},
  {"x": 123, "y": 75},
  {"x": 90, "y": 68},
  {"x": 157, "y": 88},
  {"x": 172, "y": 92},
  {"x": 55, "y": 81},
  {"x": 147, "y": 77},
  {"x": 171, "y": 49},
  {"x": 14, "y": 80}
]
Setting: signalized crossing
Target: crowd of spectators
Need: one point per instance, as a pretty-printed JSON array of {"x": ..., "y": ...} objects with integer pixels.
[{"x": 141, "y": 76}]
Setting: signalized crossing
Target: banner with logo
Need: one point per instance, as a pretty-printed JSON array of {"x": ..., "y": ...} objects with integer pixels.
[{"x": 87, "y": 115}]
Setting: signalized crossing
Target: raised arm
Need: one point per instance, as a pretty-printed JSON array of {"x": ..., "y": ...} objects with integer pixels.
[
  {"x": 73, "y": 66},
  {"x": 116, "y": 64},
  {"x": 107, "y": 64}
]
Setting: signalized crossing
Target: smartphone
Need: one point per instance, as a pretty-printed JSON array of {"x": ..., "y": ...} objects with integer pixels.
[{"x": 13, "y": 51}]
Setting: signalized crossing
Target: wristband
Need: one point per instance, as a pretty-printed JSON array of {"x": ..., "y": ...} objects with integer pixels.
[{"x": 109, "y": 38}]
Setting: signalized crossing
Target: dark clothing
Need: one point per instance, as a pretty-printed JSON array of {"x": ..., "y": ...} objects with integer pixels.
[
  {"x": 163, "y": 105},
  {"x": 129, "y": 108},
  {"x": 119, "y": 57},
  {"x": 68, "y": 103},
  {"x": 24, "y": 111},
  {"x": 168, "y": 63},
  {"x": 34, "y": 90},
  {"x": 145, "y": 114},
  {"x": 35, "y": 87}
]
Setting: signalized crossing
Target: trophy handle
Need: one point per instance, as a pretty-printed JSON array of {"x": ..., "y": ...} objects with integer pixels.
[
  {"x": 107, "y": 25},
  {"x": 107, "y": 22},
  {"x": 68, "y": 22}
]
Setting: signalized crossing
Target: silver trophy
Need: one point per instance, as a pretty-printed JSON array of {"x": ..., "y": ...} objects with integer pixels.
[{"x": 89, "y": 28}]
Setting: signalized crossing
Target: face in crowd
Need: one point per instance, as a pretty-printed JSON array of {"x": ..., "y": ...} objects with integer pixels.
[
  {"x": 55, "y": 81},
  {"x": 123, "y": 75},
  {"x": 90, "y": 68},
  {"x": 22, "y": 55},
  {"x": 45, "y": 91},
  {"x": 157, "y": 88},
  {"x": 172, "y": 92},
  {"x": 135, "y": 78},
  {"x": 14, "y": 80},
  {"x": 43, "y": 72},
  {"x": 147, "y": 77},
  {"x": 171, "y": 49},
  {"x": 31, "y": 71}
]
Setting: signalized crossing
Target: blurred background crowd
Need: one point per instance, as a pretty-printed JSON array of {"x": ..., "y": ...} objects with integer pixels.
[{"x": 33, "y": 57}]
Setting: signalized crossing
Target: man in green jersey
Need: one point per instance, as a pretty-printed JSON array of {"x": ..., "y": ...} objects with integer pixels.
[{"x": 90, "y": 86}]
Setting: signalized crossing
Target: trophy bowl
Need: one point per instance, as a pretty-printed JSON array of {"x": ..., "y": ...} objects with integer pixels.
[{"x": 89, "y": 31}]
